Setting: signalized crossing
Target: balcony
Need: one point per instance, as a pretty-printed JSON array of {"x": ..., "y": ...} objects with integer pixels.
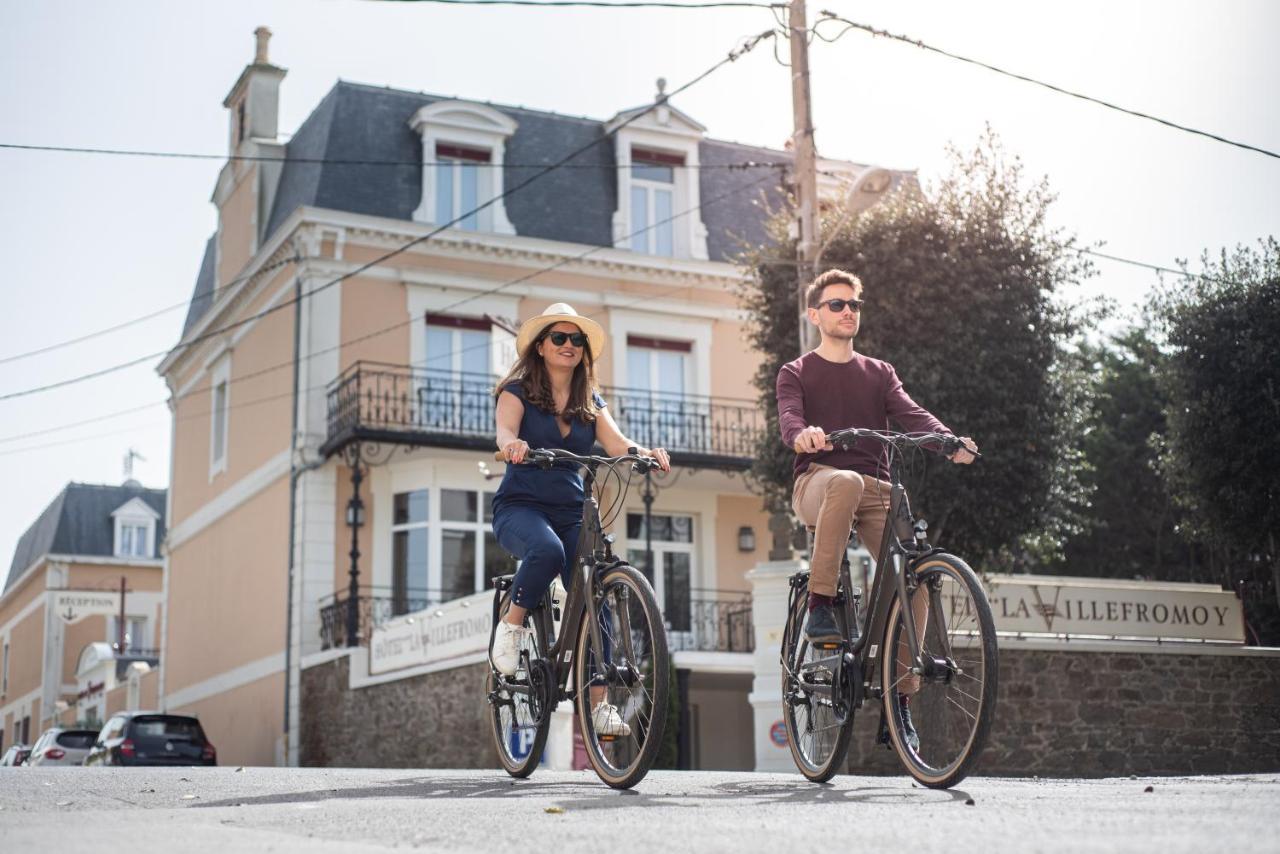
[
  {"x": 711, "y": 621},
  {"x": 396, "y": 404}
]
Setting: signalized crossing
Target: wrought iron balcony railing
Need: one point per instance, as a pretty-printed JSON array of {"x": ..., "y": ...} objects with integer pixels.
[
  {"x": 413, "y": 406},
  {"x": 710, "y": 621},
  {"x": 372, "y": 610}
]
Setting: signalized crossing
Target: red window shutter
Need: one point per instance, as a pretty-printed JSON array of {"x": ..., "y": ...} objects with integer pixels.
[
  {"x": 454, "y": 322},
  {"x": 458, "y": 152},
  {"x": 659, "y": 344}
]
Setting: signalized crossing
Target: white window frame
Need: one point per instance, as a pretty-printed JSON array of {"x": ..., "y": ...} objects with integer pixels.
[
  {"x": 662, "y": 547},
  {"x": 135, "y": 513},
  {"x": 466, "y": 125},
  {"x": 478, "y": 527},
  {"x": 667, "y": 130},
  {"x": 435, "y": 526},
  {"x": 484, "y": 191},
  {"x": 649, "y": 239},
  {"x": 219, "y": 375},
  {"x": 4, "y": 680},
  {"x": 136, "y": 639},
  {"x": 623, "y": 323}
]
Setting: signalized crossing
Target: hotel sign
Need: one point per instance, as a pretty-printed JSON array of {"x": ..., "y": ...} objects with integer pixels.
[
  {"x": 72, "y": 606},
  {"x": 1087, "y": 607},
  {"x": 449, "y": 632}
]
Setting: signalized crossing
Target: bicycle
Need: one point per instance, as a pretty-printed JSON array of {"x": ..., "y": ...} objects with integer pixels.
[
  {"x": 612, "y": 640},
  {"x": 953, "y": 655}
]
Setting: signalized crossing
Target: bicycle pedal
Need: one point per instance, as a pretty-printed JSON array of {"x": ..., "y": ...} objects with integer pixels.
[
  {"x": 829, "y": 645},
  {"x": 607, "y": 738}
]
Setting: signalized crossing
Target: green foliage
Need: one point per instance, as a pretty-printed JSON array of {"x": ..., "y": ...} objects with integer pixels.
[
  {"x": 1132, "y": 521},
  {"x": 964, "y": 297},
  {"x": 1221, "y": 459}
]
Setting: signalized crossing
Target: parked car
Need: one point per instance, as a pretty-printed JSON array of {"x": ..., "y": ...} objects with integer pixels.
[
  {"x": 151, "y": 738},
  {"x": 62, "y": 746},
  {"x": 15, "y": 755}
]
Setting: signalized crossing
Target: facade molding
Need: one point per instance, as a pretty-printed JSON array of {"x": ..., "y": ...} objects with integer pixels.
[
  {"x": 228, "y": 680},
  {"x": 742, "y": 663},
  {"x": 229, "y": 499}
]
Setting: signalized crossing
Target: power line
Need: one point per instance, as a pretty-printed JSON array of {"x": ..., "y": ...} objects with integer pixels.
[
  {"x": 853, "y": 25},
  {"x": 599, "y": 4},
  {"x": 1157, "y": 268},
  {"x": 340, "y": 161},
  {"x": 732, "y": 56},
  {"x": 211, "y": 296},
  {"x": 400, "y": 324}
]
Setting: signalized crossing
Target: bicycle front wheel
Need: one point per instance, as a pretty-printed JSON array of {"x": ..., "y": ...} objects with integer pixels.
[
  {"x": 816, "y": 705},
  {"x": 631, "y": 676},
  {"x": 952, "y": 702},
  {"x": 520, "y": 716}
]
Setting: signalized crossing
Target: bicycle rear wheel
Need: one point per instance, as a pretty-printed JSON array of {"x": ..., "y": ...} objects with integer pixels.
[
  {"x": 632, "y": 677},
  {"x": 953, "y": 709},
  {"x": 520, "y": 720},
  {"x": 818, "y": 722}
]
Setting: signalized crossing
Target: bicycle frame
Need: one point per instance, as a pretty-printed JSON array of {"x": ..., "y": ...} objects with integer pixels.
[{"x": 594, "y": 554}]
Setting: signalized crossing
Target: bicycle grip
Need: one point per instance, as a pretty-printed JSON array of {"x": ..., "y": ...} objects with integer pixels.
[{"x": 500, "y": 456}]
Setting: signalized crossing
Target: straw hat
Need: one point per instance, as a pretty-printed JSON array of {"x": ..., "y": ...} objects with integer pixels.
[{"x": 556, "y": 313}]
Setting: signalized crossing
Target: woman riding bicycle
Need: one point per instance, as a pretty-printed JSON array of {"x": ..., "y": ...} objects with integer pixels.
[{"x": 549, "y": 399}]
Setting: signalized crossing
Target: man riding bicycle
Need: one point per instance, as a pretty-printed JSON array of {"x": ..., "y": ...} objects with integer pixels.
[{"x": 831, "y": 388}]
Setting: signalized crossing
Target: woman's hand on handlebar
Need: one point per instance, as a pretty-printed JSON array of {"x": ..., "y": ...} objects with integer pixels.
[
  {"x": 661, "y": 456},
  {"x": 515, "y": 451}
]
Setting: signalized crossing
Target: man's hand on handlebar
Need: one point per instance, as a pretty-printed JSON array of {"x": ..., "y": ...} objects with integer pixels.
[
  {"x": 965, "y": 454},
  {"x": 811, "y": 440}
]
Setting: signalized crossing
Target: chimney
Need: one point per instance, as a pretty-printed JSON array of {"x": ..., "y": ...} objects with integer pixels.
[{"x": 254, "y": 101}]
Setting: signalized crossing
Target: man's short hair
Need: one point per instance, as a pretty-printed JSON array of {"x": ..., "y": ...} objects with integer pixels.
[{"x": 813, "y": 294}]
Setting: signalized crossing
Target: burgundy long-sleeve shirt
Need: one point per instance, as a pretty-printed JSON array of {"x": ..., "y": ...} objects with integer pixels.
[{"x": 863, "y": 392}]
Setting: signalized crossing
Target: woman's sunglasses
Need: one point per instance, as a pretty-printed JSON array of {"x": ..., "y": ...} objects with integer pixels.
[
  {"x": 577, "y": 339},
  {"x": 838, "y": 305}
]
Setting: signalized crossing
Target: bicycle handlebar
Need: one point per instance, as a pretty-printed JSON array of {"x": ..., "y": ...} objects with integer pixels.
[
  {"x": 948, "y": 444},
  {"x": 545, "y": 457}
]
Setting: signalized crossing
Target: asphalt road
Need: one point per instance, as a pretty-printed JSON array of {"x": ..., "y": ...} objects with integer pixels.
[{"x": 226, "y": 810}]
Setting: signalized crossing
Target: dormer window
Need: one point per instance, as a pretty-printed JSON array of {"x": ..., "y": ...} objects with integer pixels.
[
  {"x": 653, "y": 187},
  {"x": 658, "y": 191},
  {"x": 464, "y": 145},
  {"x": 463, "y": 177},
  {"x": 135, "y": 529}
]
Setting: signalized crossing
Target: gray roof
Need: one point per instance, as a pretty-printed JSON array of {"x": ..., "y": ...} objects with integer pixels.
[
  {"x": 368, "y": 123},
  {"x": 78, "y": 522}
]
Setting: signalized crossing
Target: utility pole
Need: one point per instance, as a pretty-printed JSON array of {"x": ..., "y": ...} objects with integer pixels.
[
  {"x": 120, "y": 629},
  {"x": 806, "y": 176}
]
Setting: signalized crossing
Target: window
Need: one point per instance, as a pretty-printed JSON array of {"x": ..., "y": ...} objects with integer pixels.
[
  {"x": 463, "y": 182},
  {"x": 672, "y": 571},
  {"x": 652, "y": 195},
  {"x": 133, "y": 541},
  {"x": 465, "y": 143},
  {"x": 457, "y": 385},
  {"x": 4, "y": 679},
  {"x": 135, "y": 633},
  {"x": 658, "y": 407},
  {"x": 219, "y": 413},
  {"x": 460, "y": 532}
]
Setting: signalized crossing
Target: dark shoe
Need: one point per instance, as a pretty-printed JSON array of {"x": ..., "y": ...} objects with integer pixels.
[
  {"x": 908, "y": 728},
  {"x": 821, "y": 627}
]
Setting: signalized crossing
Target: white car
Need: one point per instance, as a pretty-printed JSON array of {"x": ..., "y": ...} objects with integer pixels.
[{"x": 62, "y": 746}]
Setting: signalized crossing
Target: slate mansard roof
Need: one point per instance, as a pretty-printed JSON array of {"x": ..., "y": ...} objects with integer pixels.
[
  {"x": 576, "y": 205},
  {"x": 78, "y": 522}
]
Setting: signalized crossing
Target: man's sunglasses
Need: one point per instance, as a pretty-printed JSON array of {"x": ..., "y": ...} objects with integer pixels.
[
  {"x": 838, "y": 305},
  {"x": 577, "y": 339}
]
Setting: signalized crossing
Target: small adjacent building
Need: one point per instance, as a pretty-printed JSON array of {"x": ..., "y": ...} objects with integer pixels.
[{"x": 86, "y": 582}]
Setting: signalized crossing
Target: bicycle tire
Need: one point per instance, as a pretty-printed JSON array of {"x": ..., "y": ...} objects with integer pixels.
[
  {"x": 938, "y": 714},
  {"x": 522, "y": 766},
  {"x": 632, "y": 580},
  {"x": 795, "y": 648}
]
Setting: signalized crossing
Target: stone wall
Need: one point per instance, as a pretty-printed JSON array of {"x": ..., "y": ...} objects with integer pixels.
[
  {"x": 1066, "y": 713},
  {"x": 438, "y": 720}
]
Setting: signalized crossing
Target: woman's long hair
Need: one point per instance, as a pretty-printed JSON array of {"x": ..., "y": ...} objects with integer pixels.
[{"x": 530, "y": 370}]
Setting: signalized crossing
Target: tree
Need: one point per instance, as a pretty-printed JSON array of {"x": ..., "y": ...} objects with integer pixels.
[
  {"x": 1221, "y": 458},
  {"x": 1131, "y": 524},
  {"x": 964, "y": 288}
]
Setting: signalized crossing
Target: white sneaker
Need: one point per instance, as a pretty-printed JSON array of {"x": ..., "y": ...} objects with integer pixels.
[
  {"x": 606, "y": 720},
  {"x": 507, "y": 642}
]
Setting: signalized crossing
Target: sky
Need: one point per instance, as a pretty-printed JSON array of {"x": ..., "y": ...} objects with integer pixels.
[{"x": 91, "y": 241}]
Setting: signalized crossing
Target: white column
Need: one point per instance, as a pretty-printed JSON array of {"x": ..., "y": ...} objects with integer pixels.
[
  {"x": 558, "y": 754},
  {"x": 769, "y": 592}
]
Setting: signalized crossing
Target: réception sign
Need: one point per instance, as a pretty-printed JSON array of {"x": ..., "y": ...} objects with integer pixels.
[
  {"x": 445, "y": 633},
  {"x": 72, "y": 606},
  {"x": 1101, "y": 607}
]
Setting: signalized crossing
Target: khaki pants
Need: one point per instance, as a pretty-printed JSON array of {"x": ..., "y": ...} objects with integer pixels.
[{"x": 833, "y": 502}]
